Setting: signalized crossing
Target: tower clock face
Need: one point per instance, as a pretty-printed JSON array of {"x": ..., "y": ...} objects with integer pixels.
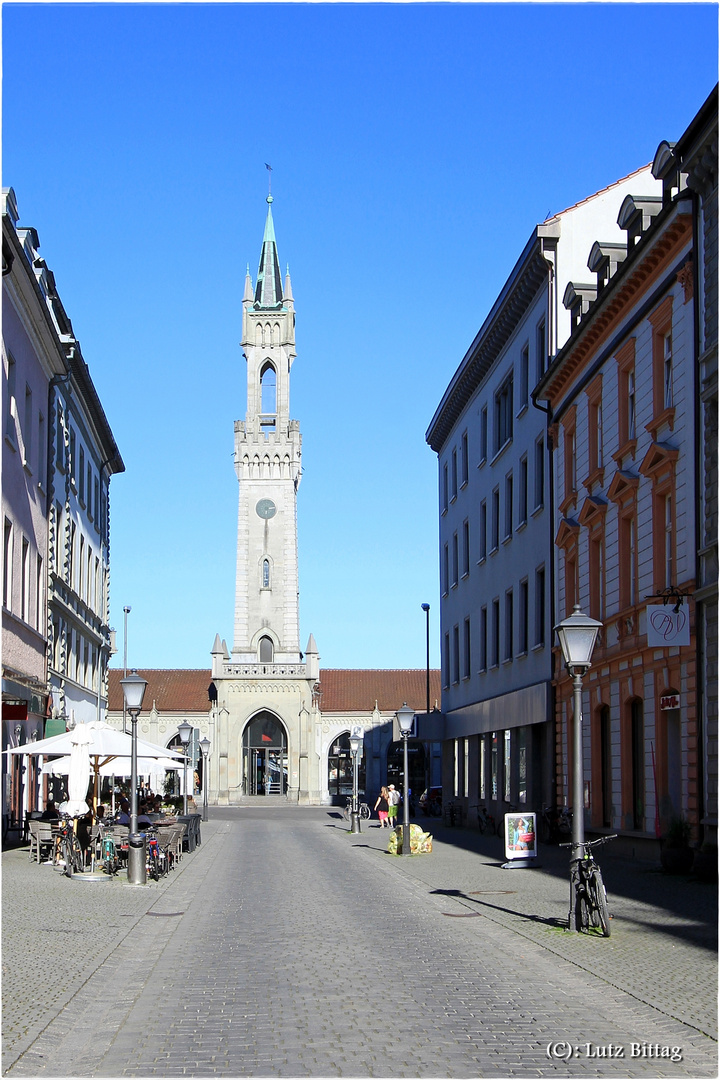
[{"x": 265, "y": 508}]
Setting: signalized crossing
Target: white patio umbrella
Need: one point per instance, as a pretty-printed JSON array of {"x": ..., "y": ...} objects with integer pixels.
[
  {"x": 79, "y": 772},
  {"x": 145, "y": 766},
  {"x": 106, "y": 744}
]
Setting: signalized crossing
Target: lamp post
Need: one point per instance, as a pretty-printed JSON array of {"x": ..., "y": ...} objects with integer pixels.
[
  {"x": 133, "y": 686},
  {"x": 205, "y": 750},
  {"x": 185, "y": 731},
  {"x": 405, "y": 716},
  {"x": 355, "y": 749},
  {"x": 426, "y": 609},
  {"x": 577, "y": 636}
]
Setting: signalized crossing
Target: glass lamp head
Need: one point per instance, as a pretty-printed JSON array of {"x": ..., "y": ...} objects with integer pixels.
[
  {"x": 133, "y": 686},
  {"x": 355, "y": 744},
  {"x": 405, "y": 716},
  {"x": 577, "y": 636},
  {"x": 205, "y": 746},
  {"x": 185, "y": 731}
]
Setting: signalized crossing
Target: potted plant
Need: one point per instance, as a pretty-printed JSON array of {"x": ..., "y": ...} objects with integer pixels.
[{"x": 676, "y": 855}]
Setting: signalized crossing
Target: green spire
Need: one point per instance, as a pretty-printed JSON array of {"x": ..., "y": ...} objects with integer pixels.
[{"x": 268, "y": 290}]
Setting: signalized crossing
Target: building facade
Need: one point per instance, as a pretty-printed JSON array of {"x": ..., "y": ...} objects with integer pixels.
[
  {"x": 58, "y": 456},
  {"x": 622, "y": 423},
  {"x": 496, "y": 522}
]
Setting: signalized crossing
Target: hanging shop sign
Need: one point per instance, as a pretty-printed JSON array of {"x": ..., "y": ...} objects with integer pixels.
[
  {"x": 667, "y": 627},
  {"x": 669, "y": 701}
]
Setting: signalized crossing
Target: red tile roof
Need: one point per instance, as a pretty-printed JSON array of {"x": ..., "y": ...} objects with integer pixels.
[
  {"x": 174, "y": 690},
  {"x": 178, "y": 690},
  {"x": 348, "y": 690}
]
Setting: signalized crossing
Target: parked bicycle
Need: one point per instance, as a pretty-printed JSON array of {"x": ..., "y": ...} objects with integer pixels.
[
  {"x": 363, "y": 810},
  {"x": 588, "y": 898},
  {"x": 156, "y": 860},
  {"x": 107, "y": 854},
  {"x": 486, "y": 822},
  {"x": 68, "y": 856},
  {"x": 554, "y": 824}
]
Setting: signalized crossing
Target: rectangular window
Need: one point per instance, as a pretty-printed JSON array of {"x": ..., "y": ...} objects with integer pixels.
[
  {"x": 464, "y": 460},
  {"x": 495, "y": 525},
  {"x": 481, "y": 766},
  {"x": 25, "y": 580},
  {"x": 455, "y": 559},
  {"x": 446, "y": 571},
  {"x": 596, "y": 556},
  {"x": 495, "y": 633},
  {"x": 97, "y": 503},
  {"x": 446, "y": 661},
  {"x": 483, "y": 434},
  {"x": 504, "y": 413},
  {"x": 669, "y": 544},
  {"x": 483, "y": 639},
  {"x": 523, "y": 493},
  {"x": 540, "y": 606},
  {"x": 60, "y": 439},
  {"x": 40, "y": 596},
  {"x": 508, "y": 506},
  {"x": 445, "y": 488},
  {"x": 7, "y": 564},
  {"x": 668, "y": 371},
  {"x": 71, "y": 556},
  {"x": 631, "y": 404},
  {"x": 509, "y": 624},
  {"x": 73, "y": 462},
  {"x": 628, "y": 561},
  {"x": 539, "y": 474},
  {"x": 27, "y": 429},
  {"x": 89, "y": 493},
  {"x": 454, "y": 476},
  {"x": 10, "y": 428},
  {"x": 524, "y": 376},
  {"x": 42, "y": 450},
  {"x": 466, "y": 548},
  {"x": 81, "y": 476},
  {"x": 466, "y": 634},
  {"x": 523, "y": 619},
  {"x": 81, "y": 569},
  {"x": 541, "y": 350},
  {"x": 456, "y": 654},
  {"x": 483, "y": 530}
]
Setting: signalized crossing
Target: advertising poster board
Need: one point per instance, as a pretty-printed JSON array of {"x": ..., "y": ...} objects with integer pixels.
[{"x": 520, "y": 836}]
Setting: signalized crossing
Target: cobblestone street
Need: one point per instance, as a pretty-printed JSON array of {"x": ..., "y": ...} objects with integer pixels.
[{"x": 284, "y": 946}]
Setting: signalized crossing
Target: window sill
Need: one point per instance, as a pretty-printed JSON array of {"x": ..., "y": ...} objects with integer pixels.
[
  {"x": 523, "y": 410},
  {"x": 628, "y": 449},
  {"x": 521, "y": 525},
  {"x": 465, "y": 575},
  {"x": 463, "y": 485},
  {"x": 507, "y": 660},
  {"x": 569, "y": 501},
  {"x": 597, "y": 476},
  {"x": 27, "y": 467},
  {"x": 538, "y": 510},
  {"x": 494, "y": 550},
  {"x": 667, "y": 416},
  {"x": 11, "y": 443},
  {"x": 537, "y": 647},
  {"x": 521, "y": 654},
  {"x": 481, "y": 560},
  {"x": 499, "y": 453},
  {"x": 481, "y": 462},
  {"x": 506, "y": 539}
]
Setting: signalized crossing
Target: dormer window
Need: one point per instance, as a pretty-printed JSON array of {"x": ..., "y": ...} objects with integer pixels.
[
  {"x": 577, "y": 300},
  {"x": 604, "y": 260},
  {"x": 635, "y": 215}
]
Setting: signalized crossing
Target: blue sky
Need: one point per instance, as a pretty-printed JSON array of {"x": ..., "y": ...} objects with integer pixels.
[{"x": 414, "y": 147}]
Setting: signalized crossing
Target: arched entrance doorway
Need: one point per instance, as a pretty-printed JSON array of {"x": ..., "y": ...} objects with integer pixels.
[
  {"x": 265, "y": 756},
  {"x": 340, "y": 770}
]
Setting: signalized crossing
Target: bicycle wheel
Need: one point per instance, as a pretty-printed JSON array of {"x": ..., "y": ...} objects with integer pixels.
[
  {"x": 500, "y": 828},
  {"x": 68, "y": 856},
  {"x": 78, "y": 856},
  {"x": 364, "y": 811},
  {"x": 153, "y": 866},
  {"x": 582, "y": 911},
  {"x": 598, "y": 899},
  {"x": 543, "y": 831}
]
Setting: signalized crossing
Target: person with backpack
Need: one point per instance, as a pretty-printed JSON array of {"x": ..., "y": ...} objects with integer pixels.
[{"x": 393, "y": 802}]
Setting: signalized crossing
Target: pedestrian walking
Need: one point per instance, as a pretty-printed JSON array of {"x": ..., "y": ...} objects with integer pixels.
[
  {"x": 382, "y": 806},
  {"x": 393, "y": 800}
]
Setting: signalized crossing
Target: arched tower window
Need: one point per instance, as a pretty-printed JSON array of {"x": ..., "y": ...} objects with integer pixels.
[
  {"x": 265, "y": 650},
  {"x": 268, "y": 395},
  {"x": 265, "y": 575}
]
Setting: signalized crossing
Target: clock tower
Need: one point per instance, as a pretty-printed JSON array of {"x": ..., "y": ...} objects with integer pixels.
[
  {"x": 264, "y": 706},
  {"x": 267, "y": 463}
]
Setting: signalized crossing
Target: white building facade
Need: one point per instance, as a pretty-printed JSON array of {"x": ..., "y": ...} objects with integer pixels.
[{"x": 496, "y": 522}]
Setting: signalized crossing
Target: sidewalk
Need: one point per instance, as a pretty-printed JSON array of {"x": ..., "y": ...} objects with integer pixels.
[{"x": 663, "y": 947}]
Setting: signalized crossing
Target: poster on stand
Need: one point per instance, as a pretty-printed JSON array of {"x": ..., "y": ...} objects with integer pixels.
[{"x": 520, "y": 836}]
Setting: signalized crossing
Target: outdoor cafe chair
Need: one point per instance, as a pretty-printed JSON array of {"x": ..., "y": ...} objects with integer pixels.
[{"x": 41, "y": 837}]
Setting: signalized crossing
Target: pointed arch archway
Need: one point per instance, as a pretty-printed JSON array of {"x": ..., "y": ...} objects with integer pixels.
[{"x": 265, "y": 755}]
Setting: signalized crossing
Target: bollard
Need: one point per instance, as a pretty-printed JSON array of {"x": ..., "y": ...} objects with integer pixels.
[{"x": 136, "y": 872}]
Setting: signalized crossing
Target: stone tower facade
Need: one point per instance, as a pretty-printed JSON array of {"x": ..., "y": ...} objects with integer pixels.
[{"x": 264, "y": 688}]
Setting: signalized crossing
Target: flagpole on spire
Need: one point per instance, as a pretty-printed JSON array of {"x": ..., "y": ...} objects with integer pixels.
[{"x": 269, "y": 169}]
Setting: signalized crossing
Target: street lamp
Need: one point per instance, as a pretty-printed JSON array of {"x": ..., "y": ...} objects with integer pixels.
[
  {"x": 405, "y": 716},
  {"x": 577, "y": 636},
  {"x": 355, "y": 749},
  {"x": 205, "y": 750},
  {"x": 185, "y": 731},
  {"x": 133, "y": 687}
]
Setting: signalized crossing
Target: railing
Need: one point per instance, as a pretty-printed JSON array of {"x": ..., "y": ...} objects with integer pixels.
[{"x": 277, "y": 671}]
